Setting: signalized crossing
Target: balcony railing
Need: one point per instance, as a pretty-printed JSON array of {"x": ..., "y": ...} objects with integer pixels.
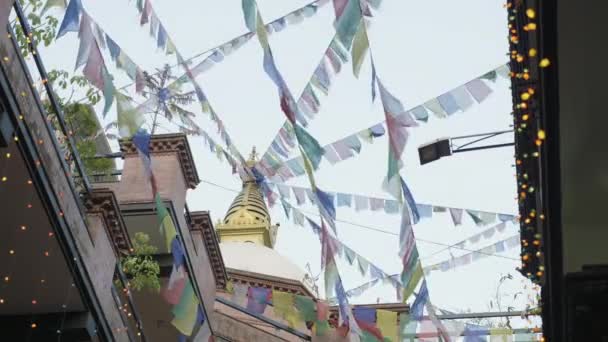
[
  {"x": 126, "y": 306},
  {"x": 63, "y": 140}
]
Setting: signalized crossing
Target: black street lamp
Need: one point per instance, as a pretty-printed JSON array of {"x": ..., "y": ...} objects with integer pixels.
[{"x": 446, "y": 147}]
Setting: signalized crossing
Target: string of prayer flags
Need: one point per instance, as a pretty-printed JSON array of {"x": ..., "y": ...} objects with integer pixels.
[
  {"x": 309, "y": 102},
  {"x": 473, "y": 256},
  {"x": 92, "y": 41},
  {"x": 419, "y": 211},
  {"x": 165, "y": 42},
  {"x": 486, "y": 234},
  {"x": 216, "y": 55},
  {"x": 187, "y": 311},
  {"x": 334, "y": 246},
  {"x": 397, "y": 121},
  {"x": 408, "y": 252},
  {"x": 479, "y": 89}
]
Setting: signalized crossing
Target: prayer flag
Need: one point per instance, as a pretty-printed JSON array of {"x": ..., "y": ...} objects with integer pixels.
[
  {"x": 257, "y": 299},
  {"x": 456, "y": 216},
  {"x": 360, "y": 47},
  {"x": 185, "y": 312},
  {"x": 93, "y": 70},
  {"x": 478, "y": 89},
  {"x": 387, "y": 323},
  {"x": 71, "y": 19},
  {"x": 448, "y": 103},
  {"x": 85, "y": 34},
  {"x": 167, "y": 227},
  {"x": 177, "y": 283}
]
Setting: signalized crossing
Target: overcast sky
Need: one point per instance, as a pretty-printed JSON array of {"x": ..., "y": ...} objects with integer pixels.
[{"x": 421, "y": 49}]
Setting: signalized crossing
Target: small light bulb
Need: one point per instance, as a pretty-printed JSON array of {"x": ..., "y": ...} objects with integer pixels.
[
  {"x": 541, "y": 135},
  {"x": 544, "y": 63}
]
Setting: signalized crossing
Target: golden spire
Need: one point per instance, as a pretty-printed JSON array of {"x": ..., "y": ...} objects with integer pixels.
[
  {"x": 253, "y": 158},
  {"x": 247, "y": 218}
]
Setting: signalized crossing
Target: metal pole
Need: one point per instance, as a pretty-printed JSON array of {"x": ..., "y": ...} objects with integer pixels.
[
  {"x": 484, "y": 332},
  {"x": 482, "y": 134},
  {"x": 484, "y": 315},
  {"x": 482, "y": 147},
  {"x": 263, "y": 319}
]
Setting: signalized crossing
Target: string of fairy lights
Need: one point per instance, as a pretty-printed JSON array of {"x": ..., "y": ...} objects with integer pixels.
[
  {"x": 526, "y": 66},
  {"x": 15, "y": 258}
]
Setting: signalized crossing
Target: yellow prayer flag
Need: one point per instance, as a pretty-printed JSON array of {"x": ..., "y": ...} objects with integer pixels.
[
  {"x": 411, "y": 286},
  {"x": 168, "y": 229},
  {"x": 387, "y": 323},
  {"x": 501, "y": 335},
  {"x": 284, "y": 307},
  {"x": 360, "y": 47}
]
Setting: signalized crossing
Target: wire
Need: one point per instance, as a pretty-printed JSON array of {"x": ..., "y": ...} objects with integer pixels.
[
  {"x": 379, "y": 229},
  {"x": 216, "y": 46}
]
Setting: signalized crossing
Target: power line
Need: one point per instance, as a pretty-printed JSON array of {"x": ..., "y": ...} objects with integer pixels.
[{"x": 381, "y": 230}]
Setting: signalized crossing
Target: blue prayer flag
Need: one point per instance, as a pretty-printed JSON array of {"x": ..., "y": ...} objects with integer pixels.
[{"x": 71, "y": 19}]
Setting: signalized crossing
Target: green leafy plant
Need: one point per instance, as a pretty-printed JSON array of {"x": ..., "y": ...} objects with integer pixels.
[
  {"x": 140, "y": 266},
  {"x": 80, "y": 118},
  {"x": 43, "y": 26}
]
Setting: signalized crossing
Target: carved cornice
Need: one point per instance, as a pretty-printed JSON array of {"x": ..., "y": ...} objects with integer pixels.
[
  {"x": 162, "y": 143},
  {"x": 104, "y": 203},
  {"x": 276, "y": 283},
  {"x": 201, "y": 221}
]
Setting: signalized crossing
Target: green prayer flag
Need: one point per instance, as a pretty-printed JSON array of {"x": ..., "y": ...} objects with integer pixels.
[
  {"x": 129, "y": 120},
  {"x": 306, "y": 307},
  {"x": 490, "y": 76},
  {"x": 185, "y": 312},
  {"x": 434, "y": 106},
  {"x": 360, "y": 47},
  {"x": 309, "y": 145},
  {"x": 413, "y": 282},
  {"x": 250, "y": 14},
  {"x": 346, "y": 26},
  {"x": 367, "y": 337},
  {"x": 407, "y": 328},
  {"x": 321, "y": 327},
  {"x": 108, "y": 91},
  {"x": 170, "y": 47}
]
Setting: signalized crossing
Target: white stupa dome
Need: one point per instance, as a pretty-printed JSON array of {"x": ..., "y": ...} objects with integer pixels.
[{"x": 255, "y": 258}]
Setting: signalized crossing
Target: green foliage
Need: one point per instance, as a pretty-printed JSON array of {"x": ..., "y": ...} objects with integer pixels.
[
  {"x": 143, "y": 270},
  {"x": 81, "y": 121},
  {"x": 44, "y": 27}
]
